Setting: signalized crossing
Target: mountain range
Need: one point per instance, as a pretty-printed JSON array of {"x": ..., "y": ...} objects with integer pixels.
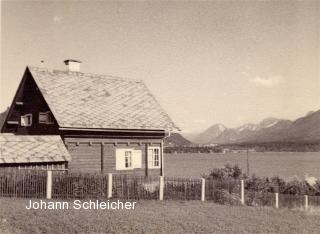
[
  {"x": 176, "y": 139},
  {"x": 303, "y": 129}
]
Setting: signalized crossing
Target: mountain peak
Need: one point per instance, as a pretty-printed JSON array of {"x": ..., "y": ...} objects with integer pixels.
[
  {"x": 310, "y": 113},
  {"x": 268, "y": 122},
  {"x": 211, "y": 133},
  {"x": 221, "y": 127},
  {"x": 249, "y": 126}
]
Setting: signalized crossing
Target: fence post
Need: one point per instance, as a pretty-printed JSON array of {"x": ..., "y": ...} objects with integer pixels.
[
  {"x": 277, "y": 200},
  {"x": 161, "y": 185},
  {"x": 306, "y": 202},
  {"x": 242, "y": 192},
  {"x": 203, "y": 189},
  {"x": 49, "y": 184},
  {"x": 109, "y": 185}
]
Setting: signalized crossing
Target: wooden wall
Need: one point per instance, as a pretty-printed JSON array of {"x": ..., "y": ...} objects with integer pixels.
[
  {"x": 33, "y": 103},
  {"x": 99, "y": 155}
]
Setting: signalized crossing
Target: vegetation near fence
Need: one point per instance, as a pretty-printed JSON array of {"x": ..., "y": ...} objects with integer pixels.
[
  {"x": 182, "y": 189},
  {"x": 221, "y": 186},
  {"x": 138, "y": 187},
  {"x": 223, "y": 191},
  {"x": 261, "y": 191}
]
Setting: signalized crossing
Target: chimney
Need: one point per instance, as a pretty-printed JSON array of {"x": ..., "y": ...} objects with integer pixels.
[{"x": 72, "y": 65}]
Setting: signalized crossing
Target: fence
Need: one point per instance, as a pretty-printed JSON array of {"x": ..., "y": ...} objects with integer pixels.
[
  {"x": 138, "y": 187},
  {"x": 28, "y": 184},
  {"x": 48, "y": 184},
  {"x": 80, "y": 186}
]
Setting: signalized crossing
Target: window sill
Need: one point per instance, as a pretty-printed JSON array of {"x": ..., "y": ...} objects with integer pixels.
[{"x": 126, "y": 169}]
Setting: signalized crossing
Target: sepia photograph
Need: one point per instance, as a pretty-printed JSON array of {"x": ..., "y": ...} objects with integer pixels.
[{"x": 176, "y": 116}]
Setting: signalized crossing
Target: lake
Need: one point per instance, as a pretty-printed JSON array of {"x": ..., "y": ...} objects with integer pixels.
[{"x": 287, "y": 165}]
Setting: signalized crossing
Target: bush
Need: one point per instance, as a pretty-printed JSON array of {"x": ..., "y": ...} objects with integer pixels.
[
  {"x": 228, "y": 172},
  {"x": 264, "y": 184}
]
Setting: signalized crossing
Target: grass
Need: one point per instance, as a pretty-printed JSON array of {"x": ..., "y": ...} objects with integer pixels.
[
  {"x": 157, "y": 217},
  {"x": 284, "y": 164}
]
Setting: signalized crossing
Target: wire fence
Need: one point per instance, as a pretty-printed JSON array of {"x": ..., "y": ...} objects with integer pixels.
[
  {"x": 66, "y": 185},
  {"x": 182, "y": 189},
  {"x": 314, "y": 200},
  {"x": 135, "y": 187},
  {"x": 225, "y": 191},
  {"x": 254, "y": 198}
]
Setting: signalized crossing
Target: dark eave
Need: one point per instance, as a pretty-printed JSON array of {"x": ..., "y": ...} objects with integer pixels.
[{"x": 112, "y": 130}]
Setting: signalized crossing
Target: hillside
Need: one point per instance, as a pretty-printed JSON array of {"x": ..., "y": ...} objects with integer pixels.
[
  {"x": 210, "y": 134},
  {"x": 306, "y": 128},
  {"x": 3, "y": 116},
  {"x": 303, "y": 129},
  {"x": 176, "y": 139}
]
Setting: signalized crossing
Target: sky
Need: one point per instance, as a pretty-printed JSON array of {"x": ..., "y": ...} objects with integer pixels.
[{"x": 229, "y": 62}]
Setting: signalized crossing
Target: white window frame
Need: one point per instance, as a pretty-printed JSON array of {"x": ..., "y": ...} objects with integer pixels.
[
  {"x": 49, "y": 119},
  {"x": 128, "y": 159},
  {"x": 152, "y": 157},
  {"x": 25, "y": 120}
]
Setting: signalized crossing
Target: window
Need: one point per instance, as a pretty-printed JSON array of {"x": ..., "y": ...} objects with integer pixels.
[
  {"x": 128, "y": 159},
  {"x": 45, "y": 117},
  {"x": 154, "y": 157},
  {"x": 26, "y": 120}
]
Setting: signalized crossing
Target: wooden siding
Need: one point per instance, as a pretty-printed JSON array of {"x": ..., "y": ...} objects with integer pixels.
[
  {"x": 85, "y": 157},
  {"x": 33, "y": 103},
  {"x": 99, "y": 155}
]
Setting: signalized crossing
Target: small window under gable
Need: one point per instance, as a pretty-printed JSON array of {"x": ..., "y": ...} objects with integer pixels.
[
  {"x": 128, "y": 159},
  {"x": 154, "y": 157},
  {"x": 26, "y": 120},
  {"x": 45, "y": 117}
]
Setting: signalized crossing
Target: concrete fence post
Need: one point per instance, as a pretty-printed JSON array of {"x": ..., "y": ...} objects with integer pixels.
[
  {"x": 161, "y": 187},
  {"x": 242, "y": 192},
  {"x": 203, "y": 189},
  {"x": 306, "y": 201},
  {"x": 109, "y": 185},
  {"x": 49, "y": 184},
  {"x": 277, "y": 200}
]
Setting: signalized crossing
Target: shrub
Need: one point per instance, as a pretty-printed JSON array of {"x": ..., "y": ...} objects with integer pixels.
[
  {"x": 228, "y": 172},
  {"x": 264, "y": 184}
]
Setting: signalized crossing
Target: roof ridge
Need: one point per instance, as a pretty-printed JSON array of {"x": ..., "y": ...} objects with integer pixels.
[{"x": 84, "y": 73}]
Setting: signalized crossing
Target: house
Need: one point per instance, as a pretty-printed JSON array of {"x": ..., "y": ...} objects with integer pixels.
[{"x": 107, "y": 124}]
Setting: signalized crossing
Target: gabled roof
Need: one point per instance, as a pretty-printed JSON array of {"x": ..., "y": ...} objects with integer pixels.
[
  {"x": 80, "y": 100},
  {"x": 30, "y": 149}
]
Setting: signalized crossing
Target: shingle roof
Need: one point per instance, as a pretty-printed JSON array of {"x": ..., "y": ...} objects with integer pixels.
[
  {"x": 27, "y": 149},
  {"x": 80, "y": 100}
]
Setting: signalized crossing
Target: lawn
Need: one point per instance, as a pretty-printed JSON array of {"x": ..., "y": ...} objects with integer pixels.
[
  {"x": 157, "y": 217},
  {"x": 284, "y": 164}
]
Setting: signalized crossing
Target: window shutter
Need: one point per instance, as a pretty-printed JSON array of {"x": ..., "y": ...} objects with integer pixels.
[
  {"x": 23, "y": 121},
  {"x": 137, "y": 159},
  {"x": 120, "y": 159},
  {"x": 150, "y": 153}
]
